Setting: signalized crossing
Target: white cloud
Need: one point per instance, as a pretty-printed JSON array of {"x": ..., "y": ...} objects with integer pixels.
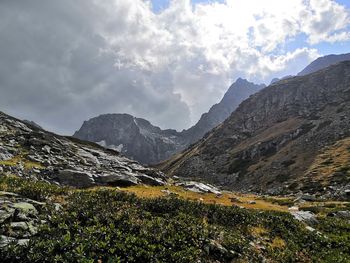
[{"x": 91, "y": 57}]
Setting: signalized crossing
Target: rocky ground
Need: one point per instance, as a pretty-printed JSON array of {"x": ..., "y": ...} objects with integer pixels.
[
  {"x": 19, "y": 218},
  {"x": 31, "y": 152}
]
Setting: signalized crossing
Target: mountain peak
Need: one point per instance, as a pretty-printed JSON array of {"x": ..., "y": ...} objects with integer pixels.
[{"x": 323, "y": 62}]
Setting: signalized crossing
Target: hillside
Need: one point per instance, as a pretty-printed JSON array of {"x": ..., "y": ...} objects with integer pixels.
[
  {"x": 274, "y": 140},
  {"x": 28, "y": 151}
]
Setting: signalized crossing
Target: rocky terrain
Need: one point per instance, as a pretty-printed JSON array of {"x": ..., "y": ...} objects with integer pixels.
[
  {"x": 28, "y": 151},
  {"x": 138, "y": 139},
  {"x": 291, "y": 136},
  {"x": 323, "y": 62}
]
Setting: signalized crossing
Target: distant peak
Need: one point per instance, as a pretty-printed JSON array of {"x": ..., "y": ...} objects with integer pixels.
[{"x": 241, "y": 80}]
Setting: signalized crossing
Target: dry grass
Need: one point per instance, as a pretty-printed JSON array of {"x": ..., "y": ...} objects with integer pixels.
[
  {"x": 227, "y": 199},
  {"x": 332, "y": 159},
  {"x": 20, "y": 159},
  {"x": 258, "y": 231},
  {"x": 278, "y": 242}
]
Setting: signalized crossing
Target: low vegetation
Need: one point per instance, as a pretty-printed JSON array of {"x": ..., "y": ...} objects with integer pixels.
[{"x": 109, "y": 225}]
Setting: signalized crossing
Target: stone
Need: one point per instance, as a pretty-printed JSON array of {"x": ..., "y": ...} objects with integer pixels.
[
  {"x": 5, "y": 241},
  {"x": 146, "y": 179},
  {"x": 118, "y": 179},
  {"x": 22, "y": 226},
  {"x": 26, "y": 208},
  {"x": 46, "y": 149},
  {"x": 199, "y": 187},
  {"x": 75, "y": 178},
  {"x": 5, "y": 215},
  {"x": 341, "y": 214},
  {"x": 305, "y": 216}
]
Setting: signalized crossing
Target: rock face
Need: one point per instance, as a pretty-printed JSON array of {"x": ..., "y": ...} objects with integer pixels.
[
  {"x": 324, "y": 62},
  {"x": 138, "y": 139},
  {"x": 291, "y": 136},
  {"x": 28, "y": 151}
]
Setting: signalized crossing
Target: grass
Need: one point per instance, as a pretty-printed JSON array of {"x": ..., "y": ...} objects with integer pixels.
[
  {"x": 21, "y": 159},
  {"x": 112, "y": 225},
  {"x": 227, "y": 199},
  {"x": 333, "y": 159}
]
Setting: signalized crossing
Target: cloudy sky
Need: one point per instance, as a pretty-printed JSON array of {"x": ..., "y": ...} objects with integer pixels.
[{"x": 65, "y": 61}]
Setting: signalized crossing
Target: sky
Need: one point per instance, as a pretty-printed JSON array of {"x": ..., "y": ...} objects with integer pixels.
[{"x": 168, "y": 61}]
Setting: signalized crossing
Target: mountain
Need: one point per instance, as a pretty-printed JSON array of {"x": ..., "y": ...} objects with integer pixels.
[
  {"x": 291, "y": 136},
  {"x": 138, "y": 139},
  {"x": 28, "y": 151},
  {"x": 238, "y": 92},
  {"x": 324, "y": 62},
  {"x": 134, "y": 137}
]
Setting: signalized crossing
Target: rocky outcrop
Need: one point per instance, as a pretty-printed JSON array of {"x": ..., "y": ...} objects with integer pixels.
[
  {"x": 138, "y": 139},
  {"x": 31, "y": 152},
  {"x": 272, "y": 143},
  {"x": 324, "y": 62}
]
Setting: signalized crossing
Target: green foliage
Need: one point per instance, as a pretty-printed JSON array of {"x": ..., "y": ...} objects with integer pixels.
[
  {"x": 113, "y": 226},
  {"x": 36, "y": 190}
]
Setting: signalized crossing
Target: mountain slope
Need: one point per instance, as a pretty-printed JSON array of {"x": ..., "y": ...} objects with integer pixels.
[
  {"x": 238, "y": 92},
  {"x": 28, "y": 151},
  {"x": 324, "y": 62},
  {"x": 138, "y": 139},
  {"x": 272, "y": 139}
]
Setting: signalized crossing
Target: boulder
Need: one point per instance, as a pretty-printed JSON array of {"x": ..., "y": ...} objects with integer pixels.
[
  {"x": 341, "y": 214},
  {"x": 305, "y": 216},
  {"x": 75, "y": 178},
  {"x": 199, "y": 187},
  {"x": 116, "y": 179},
  {"x": 149, "y": 180}
]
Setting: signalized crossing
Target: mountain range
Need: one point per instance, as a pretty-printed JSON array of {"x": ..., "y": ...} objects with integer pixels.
[
  {"x": 138, "y": 139},
  {"x": 290, "y": 136}
]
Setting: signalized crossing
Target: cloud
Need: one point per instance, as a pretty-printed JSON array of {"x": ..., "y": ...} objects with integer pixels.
[{"x": 65, "y": 61}]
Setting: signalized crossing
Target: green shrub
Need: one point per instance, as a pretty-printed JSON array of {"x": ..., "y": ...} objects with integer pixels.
[
  {"x": 113, "y": 226},
  {"x": 37, "y": 190}
]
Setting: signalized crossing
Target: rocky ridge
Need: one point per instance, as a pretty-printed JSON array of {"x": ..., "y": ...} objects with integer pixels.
[
  {"x": 271, "y": 142},
  {"x": 324, "y": 62},
  {"x": 28, "y": 151}
]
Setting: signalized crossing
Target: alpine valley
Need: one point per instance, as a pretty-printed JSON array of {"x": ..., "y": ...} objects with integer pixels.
[{"x": 264, "y": 176}]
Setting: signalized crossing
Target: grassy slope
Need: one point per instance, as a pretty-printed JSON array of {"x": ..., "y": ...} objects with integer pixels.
[{"x": 113, "y": 226}]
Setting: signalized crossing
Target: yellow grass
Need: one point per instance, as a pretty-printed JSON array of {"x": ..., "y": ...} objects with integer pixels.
[
  {"x": 19, "y": 159},
  {"x": 227, "y": 199},
  {"x": 334, "y": 158},
  {"x": 258, "y": 231},
  {"x": 278, "y": 242}
]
